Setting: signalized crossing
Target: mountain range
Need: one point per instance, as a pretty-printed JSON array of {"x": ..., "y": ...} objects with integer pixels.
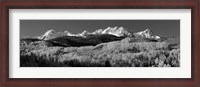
[
  {"x": 115, "y": 31},
  {"x": 52, "y": 38},
  {"x": 110, "y": 47}
]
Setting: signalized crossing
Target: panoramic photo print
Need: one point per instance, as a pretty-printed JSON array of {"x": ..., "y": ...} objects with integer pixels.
[{"x": 100, "y": 43}]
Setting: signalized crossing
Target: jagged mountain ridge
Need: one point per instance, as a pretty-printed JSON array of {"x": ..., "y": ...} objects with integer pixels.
[
  {"x": 147, "y": 34},
  {"x": 116, "y": 31}
]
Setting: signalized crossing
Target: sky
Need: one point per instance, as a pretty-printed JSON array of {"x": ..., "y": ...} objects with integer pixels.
[{"x": 31, "y": 28}]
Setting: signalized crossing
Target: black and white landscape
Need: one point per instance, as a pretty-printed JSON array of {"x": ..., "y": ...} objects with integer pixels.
[{"x": 132, "y": 44}]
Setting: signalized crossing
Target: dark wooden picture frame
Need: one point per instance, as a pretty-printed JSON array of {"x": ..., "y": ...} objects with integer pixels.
[{"x": 89, "y": 4}]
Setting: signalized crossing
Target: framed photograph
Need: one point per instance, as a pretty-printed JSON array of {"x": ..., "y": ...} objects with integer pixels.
[{"x": 100, "y": 43}]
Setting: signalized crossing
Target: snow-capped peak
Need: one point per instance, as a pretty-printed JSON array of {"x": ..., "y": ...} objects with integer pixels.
[
  {"x": 99, "y": 31},
  {"x": 147, "y": 33},
  {"x": 117, "y": 31},
  {"x": 67, "y": 33},
  {"x": 84, "y": 33},
  {"x": 48, "y": 33}
]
